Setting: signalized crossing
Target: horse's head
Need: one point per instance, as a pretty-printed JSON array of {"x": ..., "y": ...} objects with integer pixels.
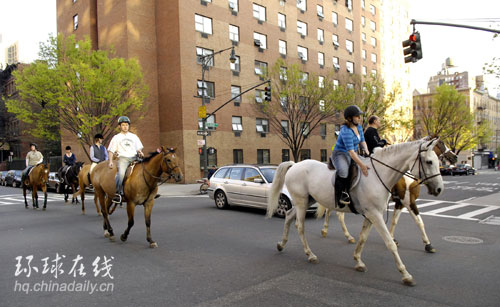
[
  {"x": 426, "y": 167},
  {"x": 44, "y": 173},
  {"x": 171, "y": 163},
  {"x": 78, "y": 167}
]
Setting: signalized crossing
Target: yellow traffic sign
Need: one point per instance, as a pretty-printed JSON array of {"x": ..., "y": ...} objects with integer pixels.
[{"x": 202, "y": 112}]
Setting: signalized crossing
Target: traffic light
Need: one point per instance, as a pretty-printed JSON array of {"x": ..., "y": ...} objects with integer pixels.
[
  {"x": 267, "y": 93},
  {"x": 412, "y": 48}
]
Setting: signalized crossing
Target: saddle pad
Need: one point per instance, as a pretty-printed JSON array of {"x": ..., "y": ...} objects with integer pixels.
[{"x": 354, "y": 175}]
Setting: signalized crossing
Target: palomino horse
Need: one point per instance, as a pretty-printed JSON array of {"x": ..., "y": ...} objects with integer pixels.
[
  {"x": 69, "y": 179},
  {"x": 313, "y": 179},
  {"x": 140, "y": 188},
  {"x": 37, "y": 179},
  {"x": 407, "y": 191},
  {"x": 84, "y": 181}
]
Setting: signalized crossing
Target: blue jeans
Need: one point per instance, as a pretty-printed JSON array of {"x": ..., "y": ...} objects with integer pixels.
[
  {"x": 341, "y": 160},
  {"x": 121, "y": 164}
]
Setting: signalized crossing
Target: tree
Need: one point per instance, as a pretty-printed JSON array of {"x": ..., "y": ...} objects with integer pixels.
[
  {"x": 79, "y": 89},
  {"x": 449, "y": 117},
  {"x": 302, "y": 101}
]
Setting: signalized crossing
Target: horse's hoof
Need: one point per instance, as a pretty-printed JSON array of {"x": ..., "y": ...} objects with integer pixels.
[
  {"x": 313, "y": 259},
  {"x": 361, "y": 268},
  {"x": 106, "y": 234},
  {"x": 153, "y": 245},
  {"x": 83, "y": 212},
  {"x": 44, "y": 209},
  {"x": 112, "y": 238},
  {"x": 396, "y": 241},
  {"x": 409, "y": 282},
  {"x": 324, "y": 232},
  {"x": 123, "y": 238},
  {"x": 99, "y": 214},
  {"x": 351, "y": 240},
  {"x": 279, "y": 247},
  {"x": 26, "y": 207},
  {"x": 429, "y": 248}
]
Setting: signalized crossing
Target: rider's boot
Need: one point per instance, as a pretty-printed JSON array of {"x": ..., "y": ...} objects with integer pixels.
[{"x": 342, "y": 197}]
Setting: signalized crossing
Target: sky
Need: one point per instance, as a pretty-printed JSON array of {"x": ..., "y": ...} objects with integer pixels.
[{"x": 31, "y": 21}]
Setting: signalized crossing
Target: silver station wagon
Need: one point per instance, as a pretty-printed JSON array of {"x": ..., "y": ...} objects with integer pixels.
[{"x": 247, "y": 185}]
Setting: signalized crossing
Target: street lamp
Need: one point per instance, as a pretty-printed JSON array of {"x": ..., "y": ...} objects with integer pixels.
[{"x": 205, "y": 60}]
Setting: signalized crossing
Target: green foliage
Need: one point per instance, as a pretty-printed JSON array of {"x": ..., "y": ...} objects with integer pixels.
[{"x": 79, "y": 89}]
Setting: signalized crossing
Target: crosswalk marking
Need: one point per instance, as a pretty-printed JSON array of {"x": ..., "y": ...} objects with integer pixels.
[
  {"x": 478, "y": 212},
  {"x": 448, "y": 208},
  {"x": 431, "y": 203}
]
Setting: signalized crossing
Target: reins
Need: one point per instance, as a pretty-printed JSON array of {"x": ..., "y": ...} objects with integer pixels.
[{"x": 157, "y": 178}]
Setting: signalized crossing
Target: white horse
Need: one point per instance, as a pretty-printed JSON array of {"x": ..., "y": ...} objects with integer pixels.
[{"x": 370, "y": 196}]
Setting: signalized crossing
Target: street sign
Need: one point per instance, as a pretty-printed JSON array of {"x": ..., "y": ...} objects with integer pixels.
[
  {"x": 203, "y": 133},
  {"x": 200, "y": 142},
  {"x": 202, "y": 112},
  {"x": 212, "y": 125}
]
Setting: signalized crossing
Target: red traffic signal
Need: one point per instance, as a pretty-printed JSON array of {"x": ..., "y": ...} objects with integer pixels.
[
  {"x": 412, "y": 48},
  {"x": 267, "y": 92}
]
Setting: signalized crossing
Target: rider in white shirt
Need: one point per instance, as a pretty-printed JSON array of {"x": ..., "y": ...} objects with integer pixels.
[{"x": 127, "y": 146}]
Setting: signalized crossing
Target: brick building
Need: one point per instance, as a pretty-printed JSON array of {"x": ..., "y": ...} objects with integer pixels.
[{"x": 167, "y": 36}]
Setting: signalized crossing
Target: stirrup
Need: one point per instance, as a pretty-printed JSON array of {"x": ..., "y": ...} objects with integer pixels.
[
  {"x": 117, "y": 199},
  {"x": 345, "y": 200}
]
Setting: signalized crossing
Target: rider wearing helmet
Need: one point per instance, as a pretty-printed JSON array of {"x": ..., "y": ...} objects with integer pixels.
[
  {"x": 98, "y": 152},
  {"x": 350, "y": 136},
  {"x": 127, "y": 146},
  {"x": 33, "y": 158}
]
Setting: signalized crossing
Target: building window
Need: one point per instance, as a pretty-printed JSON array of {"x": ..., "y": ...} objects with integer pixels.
[
  {"x": 335, "y": 84},
  {"x": 350, "y": 67},
  {"x": 336, "y": 63},
  {"x": 304, "y": 128},
  {"x": 363, "y": 54},
  {"x": 305, "y": 154},
  {"x": 321, "y": 35},
  {"x": 373, "y": 25},
  {"x": 374, "y": 72},
  {"x": 363, "y": 21},
  {"x": 203, "y": 24},
  {"x": 281, "y": 21},
  {"x": 235, "y": 92},
  {"x": 302, "y": 5},
  {"x": 335, "y": 39},
  {"x": 210, "y": 123},
  {"x": 238, "y": 156},
  {"x": 259, "y": 12},
  {"x": 321, "y": 82},
  {"x": 349, "y": 45},
  {"x": 74, "y": 1},
  {"x": 350, "y": 86},
  {"x": 363, "y": 37},
  {"x": 259, "y": 96},
  {"x": 364, "y": 70},
  {"x": 200, "y": 52},
  {"x": 209, "y": 89},
  {"x": 319, "y": 9},
  {"x": 374, "y": 58},
  {"x": 335, "y": 19},
  {"x": 374, "y": 42},
  {"x": 233, "y": 5},
  {"x": 284, "y": 128},
  {"x": 234, "y": 33},
  {"x": 260, "y": 40},
  {"x": 75, "y": 22},
  {"x": 323, "y": 154},
  {"x": 285, "y": 155},
  {"x": 322, "y": 130},
  {"x": 262, "y": 125},
  {"x": 302, "y": 28},
  {"x": 263, "y": 156},
  {"x": 260, "y": 68},
  {"x": 212, "y": 159},
  {"x": 363, "y": 4},
  {"x": 236, "y": 65},
  {"x": 284, "y": 103},
  {"x": 283, "y": 76},
  {"x": 304, "y": 78},
  {"x": 372, "y": 9},
  {"x": 236, "y": 123},
  {"x": 348, "y": 4},
  {"x": 302, "y": 52},
  {"x": 348, "y": 24},
  {"x": 282, "y": 47},
  {"x": 321, "y": 58}
]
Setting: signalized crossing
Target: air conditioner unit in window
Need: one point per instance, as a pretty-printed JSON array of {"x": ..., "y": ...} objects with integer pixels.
[
  {"x": 336, "y": 66},
  {"x": 321, "y": 15},
  {"x": 231, "y": 5},
  {"x": 301, "y": 56},
  {"x": 336, "y": 44},
  {"x": 257, "y": 43},
  {"x": 258, "y": 99}
]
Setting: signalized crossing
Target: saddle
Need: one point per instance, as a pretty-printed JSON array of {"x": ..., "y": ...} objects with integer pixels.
[{"x": 354, "y": 175}]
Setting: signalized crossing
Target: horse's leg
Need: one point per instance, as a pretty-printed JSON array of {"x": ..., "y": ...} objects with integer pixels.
[
  {"x": 65, "y": 191},
  {"x": 24, "y": 193},
  {"x": 108, "y": 230},
  {"x": 130, "y": 213},
  {"x": 395, "y": 219},
  {"x": 82, "y": 196},
  {"x": 35, "y": 195},
  {"x": 44, "y": 189},
  {"x": 301, "y": 206},
  {"x": 378, "y": 222},
  {"x": 420, "y": 223},
  {"x": 148, "y": 207},
  {"x": 290, "y": 216},
  {"x": 113, "y": 205},
  {"x": 96, "y": 204},
  {"x": 324, "y": 231},
  {"x": 73, "y": 188},
  {"x": 363, "y": 236},
  {"x": 340, "y": 217}
]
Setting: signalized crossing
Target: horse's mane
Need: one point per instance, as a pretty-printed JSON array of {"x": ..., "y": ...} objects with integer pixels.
[
  {"x": 151, "y": 156},
  {"x": 396, "y": 147}
]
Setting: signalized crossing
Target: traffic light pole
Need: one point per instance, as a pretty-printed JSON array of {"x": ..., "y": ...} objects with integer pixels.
[{"x": 418, "y": 22}]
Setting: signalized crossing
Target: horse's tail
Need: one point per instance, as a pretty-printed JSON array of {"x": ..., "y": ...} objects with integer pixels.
[
  {"x": 320, "y": 211},
  {"x": 278, "y": 182}
]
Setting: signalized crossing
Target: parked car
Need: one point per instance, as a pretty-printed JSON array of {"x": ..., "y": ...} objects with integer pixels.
[
  {"x": 13, "y": 178},
  {"x": 247, "y": 185},
  {"x": 463, "y": 169},
  {"x": 3, "y": 174},
  {"x": 54, "y": 182},
  {"x": 446, "y": 169}
]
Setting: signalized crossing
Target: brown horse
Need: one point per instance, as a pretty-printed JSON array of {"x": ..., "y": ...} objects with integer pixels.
[
  {"x": 84, "y": 181},
  {"x": 140, "y": 188},
  {"x": 37, "y": 179}
]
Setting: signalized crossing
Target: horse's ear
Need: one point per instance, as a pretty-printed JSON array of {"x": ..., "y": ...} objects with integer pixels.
[
  {"x": 433, "y": 142},
  {"x": 164, "y": 149}
]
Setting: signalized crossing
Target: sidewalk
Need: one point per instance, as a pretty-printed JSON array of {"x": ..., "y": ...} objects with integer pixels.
[
  {"x": 490, "y": 200},
  {"x": 172, "y": 189}
]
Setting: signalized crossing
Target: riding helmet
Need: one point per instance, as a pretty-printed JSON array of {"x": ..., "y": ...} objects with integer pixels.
[
  {"x": 123, "y": 119},
  {"x": 33, "y": 144},
  {"x": 68, "y": 147},
  {"x": 98, "y": 136},
  {"x": 351, "y": 111}
]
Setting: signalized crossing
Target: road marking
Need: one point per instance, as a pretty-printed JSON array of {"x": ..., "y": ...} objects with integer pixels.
[
  {"x": 478, "y": 212},
  {"x": 467, "y": 199},
  {"x": 448, "y": 208},
  {"x": 431, "y": 203}
]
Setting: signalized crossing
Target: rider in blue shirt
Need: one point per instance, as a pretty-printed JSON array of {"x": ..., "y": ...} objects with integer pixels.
[{"x": 348, "y": 140}]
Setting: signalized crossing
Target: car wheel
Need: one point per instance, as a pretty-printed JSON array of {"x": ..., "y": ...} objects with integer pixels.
[
  {"x": 221, "y": 200},
  {"x": 283, "y": 206}
]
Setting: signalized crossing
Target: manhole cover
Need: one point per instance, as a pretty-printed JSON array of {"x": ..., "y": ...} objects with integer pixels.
[{"x": 463, "y": 240}]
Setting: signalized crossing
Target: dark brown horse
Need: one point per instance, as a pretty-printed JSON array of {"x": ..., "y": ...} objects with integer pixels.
[
  {"x": 140, "y": 188},
  {"x": 69, "y": 179},
  {"x": 37, "y": 179}
]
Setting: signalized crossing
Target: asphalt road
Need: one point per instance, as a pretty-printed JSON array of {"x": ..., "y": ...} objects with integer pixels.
[{"x": 211, "y": 257}]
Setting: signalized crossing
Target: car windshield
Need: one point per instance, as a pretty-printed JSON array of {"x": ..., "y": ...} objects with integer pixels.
[{"x": 268, "y": 172}]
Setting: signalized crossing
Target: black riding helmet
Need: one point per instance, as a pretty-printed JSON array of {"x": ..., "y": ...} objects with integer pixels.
[
  {"x": 98, "y": 136},
  {"x": 351, "y": 111},
  {"x": 33, "y": 144},
  {"x": 123, "y": 119}
]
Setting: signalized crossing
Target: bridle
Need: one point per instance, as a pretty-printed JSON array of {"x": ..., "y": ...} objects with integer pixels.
[{"x": 159, "y": 178}]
